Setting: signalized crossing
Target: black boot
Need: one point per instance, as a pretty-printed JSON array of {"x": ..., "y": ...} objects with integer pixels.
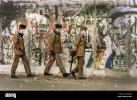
[
  {"x": 47, "y": 74},
  {"x": 75, "y": 70},
  {"x": 14, "y": 76},
  {"x": 82, "y": 78},
  {"x": 73, "y": 74},
  {"x": 66, "y": 74},
  {"x": 30, "y": 75}
]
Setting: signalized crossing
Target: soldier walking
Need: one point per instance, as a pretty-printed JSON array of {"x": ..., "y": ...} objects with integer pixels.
[
  {"x": 79, "y": 51},
  {"x": 19, "y": 51},
  {"x": 55, "y": 50}
]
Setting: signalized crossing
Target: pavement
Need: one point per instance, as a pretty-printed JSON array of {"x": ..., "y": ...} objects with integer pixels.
[{"x": 58, "y": 83}]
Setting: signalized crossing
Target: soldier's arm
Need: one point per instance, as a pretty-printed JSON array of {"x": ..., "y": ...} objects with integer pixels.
[
  {"x": 52, "y": 39},
  {"x": 76, "y": 43},
  {"x": 15, "y": 41}
]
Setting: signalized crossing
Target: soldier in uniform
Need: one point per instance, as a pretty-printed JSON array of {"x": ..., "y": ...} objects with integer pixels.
[
  {"x": 79, "y": 51},
  {"x": 19, "y": 51},
  {"x": 55, "y": 50}
]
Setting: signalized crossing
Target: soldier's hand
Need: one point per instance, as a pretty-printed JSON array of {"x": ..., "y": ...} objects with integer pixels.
[
  {"x": 72, "y": 52},
  {"x": 52, "y": 52}
]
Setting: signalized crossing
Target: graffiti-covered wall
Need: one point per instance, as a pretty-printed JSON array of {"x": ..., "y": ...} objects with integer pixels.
[{"x": 107, "y": 38}]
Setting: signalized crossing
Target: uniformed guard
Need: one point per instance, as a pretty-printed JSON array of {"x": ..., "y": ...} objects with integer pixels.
[
  {"x": 55, "y": 50},
  {"x": 19, "y": 51},
  {"x": 79, "y": 51}
]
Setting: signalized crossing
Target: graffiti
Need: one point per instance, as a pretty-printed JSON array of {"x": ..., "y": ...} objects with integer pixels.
[
  {"x": 120, "y": 49},
  {"x": 36, "y": 55},
  {"x": 7, "y": 51},
  {"x": 76, "y": 5},
  {"x": 39, "y": 26},
  {"x": 119, "y": 60},
  {"x": 29, "y": 5},
  {"x": 42, "y": 28},
  {"x": 121, "y": 46},
  {"x": 108, "y": 51}
]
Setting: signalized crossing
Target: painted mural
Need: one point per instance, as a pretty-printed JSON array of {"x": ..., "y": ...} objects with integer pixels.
[{"x": 107, "y": 37}]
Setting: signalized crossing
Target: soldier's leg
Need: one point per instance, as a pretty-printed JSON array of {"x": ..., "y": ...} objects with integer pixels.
[
  {"x": 59, "y": 62},
  {"x": 46, "y": 54},
  {"x": 15, "y": 64},
  {"x": 49, "y": 64},
  {"x": 76, "y": 68},
  {"x": 80, "y": 66},
  {"x": 46, "y": 57},
  {"x": 26, "y": 64}
]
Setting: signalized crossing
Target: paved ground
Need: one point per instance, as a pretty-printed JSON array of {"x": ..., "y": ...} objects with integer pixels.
[{"x": 58, "y": 83}]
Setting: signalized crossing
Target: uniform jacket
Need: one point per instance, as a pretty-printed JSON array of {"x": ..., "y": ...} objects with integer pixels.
[
  {"x": 18, "y": 44},
  {"x": 79, "y": 45},
  {"x": 55, "y": 42}
]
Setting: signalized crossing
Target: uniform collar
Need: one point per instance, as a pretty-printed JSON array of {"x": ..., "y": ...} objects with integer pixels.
[
  {"x": 20, "y": 34},
  {"x": 56, "y": 32}
]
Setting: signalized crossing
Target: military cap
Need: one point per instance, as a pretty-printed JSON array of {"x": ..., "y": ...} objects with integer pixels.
[
  {"x": 58, "y": 26},
  {"x": 22, "y": 26}
]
